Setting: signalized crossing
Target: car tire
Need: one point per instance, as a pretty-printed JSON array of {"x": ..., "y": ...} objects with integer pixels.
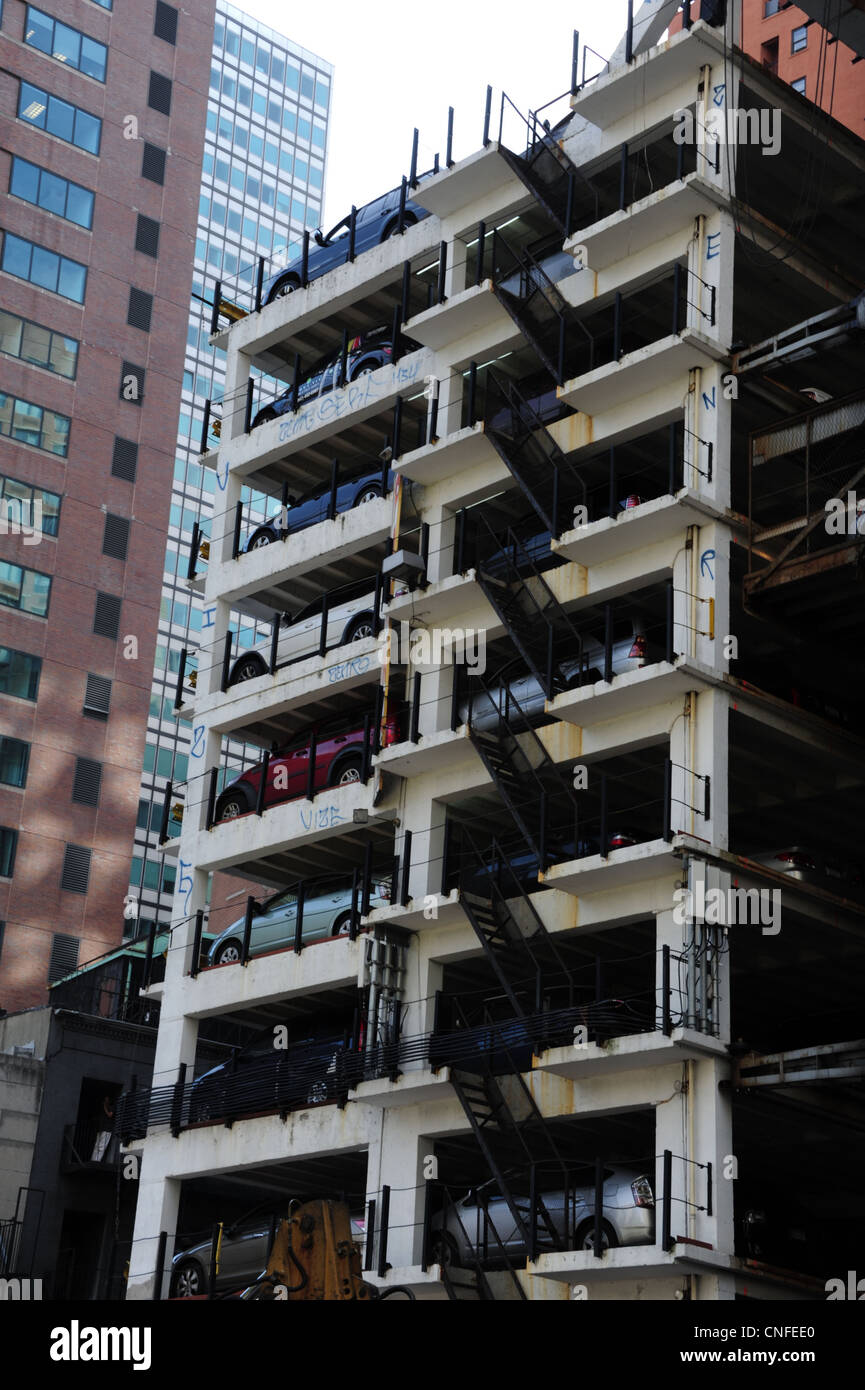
[
  {"x": 392, "y": 229},
  {"x": 247, "y": 669},
  {"x": 585, "y": 1237},
  {"x": 444, "y": 1251},
  {"x": 347, "y": 772},
  {"x": 264, "y": 417},
  {"x": 231, "y": 805},
  {"x": 359, "y": 628},
  {"x": 370, "y": 492},
  {"x": 284, "y": 287},
  {"x": 263, "y": 536},
  {"x": 341, "y": 925},
  {"x": 229, "y": 953},
  {"x": 189, "y": 1280},
  {"x": 363, "y": 368}
]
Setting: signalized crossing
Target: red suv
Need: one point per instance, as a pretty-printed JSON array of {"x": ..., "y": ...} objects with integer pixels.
[{"x": 338, "y": 761}]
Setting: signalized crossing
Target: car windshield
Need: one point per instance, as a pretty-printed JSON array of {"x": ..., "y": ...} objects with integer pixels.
[{"x": 281, "y": 899}]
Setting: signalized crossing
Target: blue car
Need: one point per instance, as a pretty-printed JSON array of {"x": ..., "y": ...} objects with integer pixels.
[
  {"x": 366, "y": 353},
  {"x": 375, "y": 222}
]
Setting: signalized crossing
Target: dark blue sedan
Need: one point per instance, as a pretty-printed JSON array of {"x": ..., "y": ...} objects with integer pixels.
[{"x": 375, "y": 222}]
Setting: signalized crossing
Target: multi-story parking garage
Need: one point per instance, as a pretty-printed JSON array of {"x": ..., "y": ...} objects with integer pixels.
[{"x": 561, "y": 990}]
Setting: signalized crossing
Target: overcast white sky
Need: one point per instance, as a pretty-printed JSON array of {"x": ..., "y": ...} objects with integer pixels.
[{"x": 400, "y": 65}]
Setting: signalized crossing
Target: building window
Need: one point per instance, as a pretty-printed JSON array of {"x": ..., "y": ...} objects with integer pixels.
[
  {"x": 106, "y": 617},
  {"x": 59, "y": 118},
  {"x": 153, "y": 163},
  {"x": 64, "y": 956},
  {"x": 87, "y": 781},
  {"x": 51, "y": 193},
  {"x": 800, "y": 39},
  {"x": 97, "y": 697},
  {"x": 116, "y": 537},
  {"x": 76, "y": 869},
  {"x": 40, "y": 346},
  {"x": 769, "y": 55},
  {"x": 165, "y": 23},
  {"x": 771, "y": 7},
  {"x": 140, "y": 309},
  {"x": 24, "y": 507},
  {"x": 34, "y": 424},
  {"x": 159, "y": 94},
  {"x": 147, "y": 235},
  {"x": 27, "y": 590},
  {"x": 19, "y": 674},
  {"x": 132, "y": 383},
  {"x": 67, "y": 45},
  {"x": 124, "y": 463},
  {"x": 8, "y": 846},
  {"x": 105, "y": 4},
  {"x": 799, "y": 85},
  {"x": 14, "y": 756},
  {"x": 29, "y": 261}
]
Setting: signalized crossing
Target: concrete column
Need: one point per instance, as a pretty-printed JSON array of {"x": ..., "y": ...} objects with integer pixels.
[
  {"x": 696, "y": 1126},
  {"x": 158, "y": 1201}
]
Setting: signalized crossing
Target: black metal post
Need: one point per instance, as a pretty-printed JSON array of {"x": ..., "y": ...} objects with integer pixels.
[
  {"x": 667, "y": 1202},
  {"x": 613, "y": 499},
  {"x": 415, "y": 710},
  {"x": 193, "y": 550},
  {"x": 181, "y": 672},
  {"x": 686, "y": 15},
  {"x": 370, "y": 1234},
  {"x": 226, "y": 658},
  {"x": 367, "y": 751},
  {"x": 166, "y": 806},
  {"x": 671, "y": 459},
  {"x": 205, "y": 427},
  {"x": 487, "y": 113},
  {"x": 707, "y": 803},
  {"x": 334, "y": 485},
  {"x": 445, "y": 855},
  {"x": 247, "y": 409},
  {"x": 304, "y": 261},
  {"x": 533, "y": 1212},
  {"x": 352, "y": 233},
  {"x": 262, "y": 785},
  {"x": 605, "y": 834},
  {"x": 217, "y": 301},
  {"x": 238, "y": 523},
  {"x": 629, "y": 37},
  {"x": 177, "y": 1100},
  {"x": 148, "y": 954},
  {"x": 382, "y": 1240},
  {"x": 325, "y": 614},
  {"x": 397, "y": 428},
  {"x": 472, "y": 394},
  {"x": 668, "y": 800},
  {"x": 482, "y": 241},
  {"x": 211, "y": 797},
  {"x": 449, "y": 155},
  {"x": 460, "y": 546},
  {"x": 395, "y": 334},
  {"x": 677, "y": 285},
  {"x": 196, "y": 942},
  {"x": 295, "y": 385},
  {"x": 569, "y": 203},
  {"x": 412, "y": 178},
  {"x": 259, "y": 283},
  {"x": 367, "y": 879},
  {"x": 376, "y": 603},
  {"x": 575, "y": 59},
  {"x": 608, "y": 642},
  {"x": 617, "y": 326},
  {"x": 599, "y": 1208},
  {"x": 247, "y": 930},
  {"x": 310, "y": 771},
  {"x": 666, "y": 1013},
  {"x": 443, "y": 266},
  {"x": 406, "y": 869},
  {"x": 298, "y": 921},
  {"x": 709, "y": 1193},
  {"x": 623, "y": 177},
  {"x": 163, "y": 1235},
  {"x": 670, "y": 653},
  {"x": 355, "y": 918},
  {"x": 433, "y": 421},
  {"x": 274, "y": 643},
  {"x": 343, "y": 358},
  {"x": 403, "y": 193}
]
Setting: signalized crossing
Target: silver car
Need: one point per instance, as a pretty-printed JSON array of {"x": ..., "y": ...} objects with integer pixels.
[
  {"x": 242, "y": 1259},
  {"x": 628, "y": 1218},
  {"x": 326, "y": 912},
  {"x": 525, "y": 695},
  {"x": 352, "y": 620}
]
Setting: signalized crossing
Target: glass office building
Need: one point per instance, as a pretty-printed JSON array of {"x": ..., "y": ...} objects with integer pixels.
[{"x": 262, "y": 183}]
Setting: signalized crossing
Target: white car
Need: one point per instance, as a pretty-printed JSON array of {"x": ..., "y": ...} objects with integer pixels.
[{"x": 350, "y": 620}]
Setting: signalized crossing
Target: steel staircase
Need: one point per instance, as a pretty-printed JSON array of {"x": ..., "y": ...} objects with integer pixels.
[
  {"x": 536, "y": 305},
  {"x": 531, "y": 455},
  {"x": 554, "y": 181}
]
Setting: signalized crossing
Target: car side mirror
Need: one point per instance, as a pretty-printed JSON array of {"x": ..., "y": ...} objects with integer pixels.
[
  {"x": 287, "y": 619},
  {"x": 318, "y": 237}
]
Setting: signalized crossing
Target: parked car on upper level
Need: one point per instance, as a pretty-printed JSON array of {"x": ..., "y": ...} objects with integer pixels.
[
  {"x": 361, "y": 486},
  {"x": 628, "y": 1217},
  {"x": 338, "y": 762},
  {"x": 375, "y": 223},
  {"x": 351, "y": 619},
  {"x": 326, "y": 913},
  {"x": 366, "y": 353}
]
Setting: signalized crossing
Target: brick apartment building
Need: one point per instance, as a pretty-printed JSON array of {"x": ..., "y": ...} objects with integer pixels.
[{"x": 102, "y": 113}]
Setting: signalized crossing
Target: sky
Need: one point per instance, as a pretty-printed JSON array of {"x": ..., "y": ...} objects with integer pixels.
[{"x": 400, "y": 65}]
